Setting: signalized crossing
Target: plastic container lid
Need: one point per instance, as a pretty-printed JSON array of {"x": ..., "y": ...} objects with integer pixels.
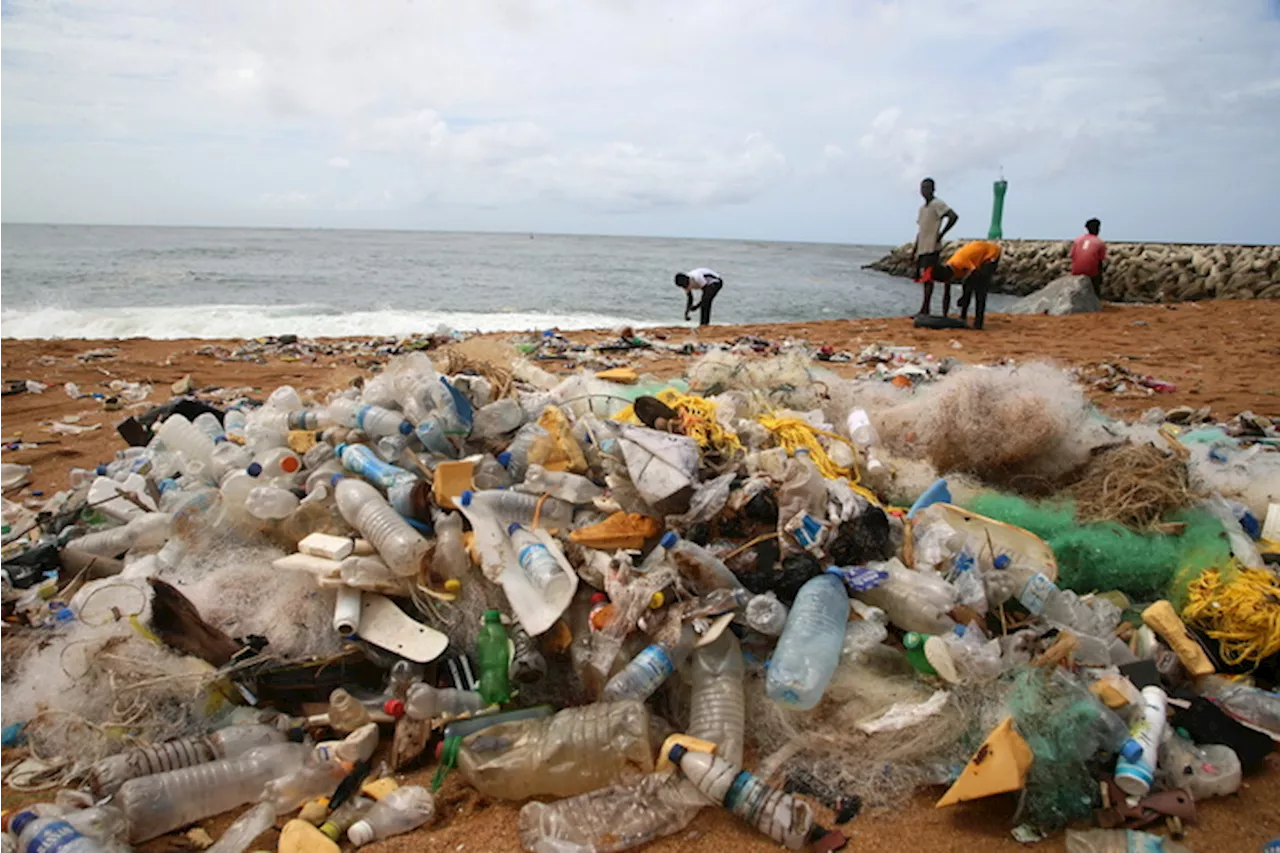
[
  {"x": 669, "y": 539},
  {"x": 512, "y": 527},
  {"x": 290, "y": 464},
  {"x": 333, "y": 481},
  {"x": 465, "y": 497},
  {"x": 361, "y": 833},
  {"x": 340, "y": 449},
  {"x": 599, "y": 598},
  {"x": 504, "y": 458},
  {"x": 394, "y": 707},
  {"x": 1001, "y": 561},
  {"x": 405, "y": 427},
  {"x": 1132, "y": 750},
  {"x": 19, "y": 821},
  {"x": 101, "y": 470},
  {"x": 254, "y": 469}
]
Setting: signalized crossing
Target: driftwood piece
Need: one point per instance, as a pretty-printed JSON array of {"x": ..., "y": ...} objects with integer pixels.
[{"x": 175, "y": 620}]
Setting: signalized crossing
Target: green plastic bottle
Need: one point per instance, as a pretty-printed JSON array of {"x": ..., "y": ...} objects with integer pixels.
[{"x": 492, "y": 650}]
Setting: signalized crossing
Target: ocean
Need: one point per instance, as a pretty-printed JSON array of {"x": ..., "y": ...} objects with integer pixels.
[{"x": 119, "y": 282}]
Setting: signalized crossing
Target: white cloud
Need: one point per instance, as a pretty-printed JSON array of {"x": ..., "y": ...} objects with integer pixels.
[{"x": 810, "y": 120}]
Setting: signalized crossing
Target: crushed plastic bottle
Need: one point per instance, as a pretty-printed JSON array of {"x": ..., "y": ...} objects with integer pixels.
[
  {"x": 375, "y": 420},
  {"x": 519, "y": 508},
  {"x": 516, "y": 456},
  {"x": 346, "y": 713},
  {"x": 572, "y": 488},
  {"x": 809, "y": 649},
  {"x": 766, "y": 614},
  {"x": 145, "y": 531}
]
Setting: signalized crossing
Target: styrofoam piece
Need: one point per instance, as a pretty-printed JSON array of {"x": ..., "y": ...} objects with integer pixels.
[
  {"x": 327, "y": 546},
  {"x": 1271, "y": 527},
  {"x": 347, "y": 611},
  {"x": 387, "y": 626},
  {"x": 317, "y": 566}
]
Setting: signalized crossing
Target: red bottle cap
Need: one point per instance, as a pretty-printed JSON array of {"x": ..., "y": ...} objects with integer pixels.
[
  {"x": 394, "y": 707},
  {"x": 598, "y": 598}
]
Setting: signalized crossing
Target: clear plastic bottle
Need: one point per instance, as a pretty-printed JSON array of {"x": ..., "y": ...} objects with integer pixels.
[
  {"x": 489, "y": 473},
  {"x": 403, "y": 810},
  {"x": 519, "y": 508},
  {"x": 646, "y": 672},
  {"x": 784, "y": 818},
  {"x": 289, "y": 791},
  {"x": 403, "y": 549},
  {"x": 703, "y": 569},
  {"x": 360, "y": 460},
  {"x": 913, "y": 601},
  {"x": 145, "y": 531},
  {"x": 766, "y": 614},
  {"x": 110, "y": 773},
  {"x": 341, "y": 818},
  {"x": 497, "y": 418},
  {"x": 270, "y": 503},
  {"x": 1257, "y": 707},
  {"x": 227, "y": 457},
  {"x": 516, "y": 457},
  {"x": 573, "y": 488},
  {"x": 375, "y": 420},
  {"x": 574, "y": 751},
  {"x": 237, "y": 837},
  {"x": 450, "y": 560},
  {"x": 165, "y": 801},
  {"x": 809, "y": 649},
  {"x": 425, "y": 702},
  {"x": 717, "y": 705},
  {"x": 539, "y": 564},
  {"x": 346, "y": 713}
]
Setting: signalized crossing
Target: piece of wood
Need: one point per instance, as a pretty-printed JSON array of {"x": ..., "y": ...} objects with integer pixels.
[{"x": 175, "y": 620}]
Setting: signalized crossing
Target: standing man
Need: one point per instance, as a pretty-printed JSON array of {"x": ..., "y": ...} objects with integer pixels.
[
  {"x": 1089, "y": 254},
  {"x": 704, "y": 280},
  {"x": 929, "y": 236}
]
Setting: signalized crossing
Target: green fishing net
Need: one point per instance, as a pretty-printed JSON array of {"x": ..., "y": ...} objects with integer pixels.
[{"x": 1109, "y": 556}]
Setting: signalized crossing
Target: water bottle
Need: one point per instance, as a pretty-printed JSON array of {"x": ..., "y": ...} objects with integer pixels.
[
  {"x": 571, "y": 752},
  {"x": 374, "y": 420},
  {"x": 425, "y": 702},
  {"x": 516, "y": 457},
  {"x": 450, "y": 560},
  {"x": 573, "y": 488},
  {"x": 717, "y": 703},
  {"x": 346, "y": 713},
  {"x": 646, "y": 672},
  {"x": 489, "y": 473},
  {"x": 233, "y": 424},
  {"x": 809, "y": 649},
  {"x": 208, "y": 423},
  {"x": 498, "y": 418},
  {"x": 766, "y": 614},
  {"x": 277, "y": 463},
  {"x": 145, "y": 531},
  {"x": 403, "y": 810},
  {"x": 403, "y": 549},
  {"x": 166, "y": 801},
  {"x": 519, "y": 508},
  {"x": 360, "y": 460},
  {"x": 612, "y": 819},
  {"x": 107, "y": 775},
  {"x": 228, "y": 457},
  {"x": 270, "y": 503},
  {"x": 52, "y": 835},
  {"x": 703, "y": 569},
  {"x": 191, "y": 443},
  {"x": 539, "y": 564},
  {"x": 237, "y": 837},
  {"x": 289, "y": 791},
  {"x": 782, "y": 817},
  {"x": 494, "y": 659}
]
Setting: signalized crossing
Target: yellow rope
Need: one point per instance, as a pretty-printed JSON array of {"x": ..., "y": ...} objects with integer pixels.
[
  {"x": 793, "y": 434},
  {"x": 697, "y": 420},
  {"x": 1243, "y": 615}
]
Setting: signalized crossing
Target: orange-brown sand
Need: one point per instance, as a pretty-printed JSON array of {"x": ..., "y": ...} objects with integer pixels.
[{"x": 1224, "y": 355}]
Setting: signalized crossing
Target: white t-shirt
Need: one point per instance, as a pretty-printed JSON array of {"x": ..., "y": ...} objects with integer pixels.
[
  {"x": 929, "y": 219},
  {"x": 701, "y": 277}
]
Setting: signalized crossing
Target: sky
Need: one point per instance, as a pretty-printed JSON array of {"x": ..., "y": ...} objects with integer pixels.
[{"x": 753, "y": 119}]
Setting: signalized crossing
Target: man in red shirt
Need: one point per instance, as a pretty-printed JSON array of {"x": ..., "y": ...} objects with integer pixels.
[{"x": 1088, "y": 254}]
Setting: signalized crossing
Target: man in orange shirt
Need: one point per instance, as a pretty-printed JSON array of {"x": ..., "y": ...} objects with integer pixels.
[
  {"x": 1088, "y": 254},
  {"x": 973, "y": 264}
]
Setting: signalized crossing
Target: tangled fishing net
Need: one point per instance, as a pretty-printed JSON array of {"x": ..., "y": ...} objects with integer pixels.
[{"x": 1136, "y": 485}]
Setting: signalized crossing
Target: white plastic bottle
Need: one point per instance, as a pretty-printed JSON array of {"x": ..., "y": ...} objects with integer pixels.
[
  {"x": 54, "y": 833},
  {"x": 270, "y": 503},
  {"x": 165, "y": 801},
  {"x": 404, "y": 809},
  {"x": 518, "y": 508},
  {"x": 110, "y": 773},
  {"x": 809, "y": 649},
  {"x": 539, "y": 565},
  {"x": 573, "y": 488},
  {"x": 145, "y": 531},
  {"x": 227, "y": 457},
  {"x": 181, "y": 436},
  {"x": 403, "y": 549},
  {"x": 646, "y": 672},
  {"x": 208, "y": 423},
  {"x": 233, "y": 424},
  {"x": 375, "y": 420},
  {"x": 1136, "y": 766},
  {"x": 425, "y": 702},
  {"x": 276, "y": 463}
]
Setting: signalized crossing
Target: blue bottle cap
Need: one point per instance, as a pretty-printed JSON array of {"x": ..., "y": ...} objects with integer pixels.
[
  {"x": 333, "y": 481},
  {"x": 512, "y": 528},
  {"x": 101, "y": 470},
  {"x": 254, "y": 469},
  {"x": 167, "y": 484},
  {"x": 405, "y": 428},
  {"x": 1132, "y": 750},
  {"x": 465, "y": 498},
  {"x": 669, "y": 539},
  {"x": 505, "y": 458},
  {"x": 677, "y": 752},
  {"x": 19, "y": 821},
  {"x": 1001, "y": 561}
]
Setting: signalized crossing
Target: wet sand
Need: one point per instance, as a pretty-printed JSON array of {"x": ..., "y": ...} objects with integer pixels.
[{"x": 1223, "y": 354}]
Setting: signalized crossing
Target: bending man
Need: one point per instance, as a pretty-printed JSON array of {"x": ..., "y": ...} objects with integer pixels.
[
  {"x": 973, "y": 264},
  {"x": 704, "y": 280}
]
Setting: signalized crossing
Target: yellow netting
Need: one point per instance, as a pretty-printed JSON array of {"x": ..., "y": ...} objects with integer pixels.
[
  {"x": 1242, "y": 615},
  {"x": 697, "y": 420},
  {"x": 793, "y": 434}
]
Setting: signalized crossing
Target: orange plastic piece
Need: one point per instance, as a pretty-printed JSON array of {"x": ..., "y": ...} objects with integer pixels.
[
  {"x": 622, "y": 530},
  {"x": 452, "y": 479},
  {"x": 1000, "y": 765},
  {"x": 621, "y": 375},
  {"x": 558, "y": 451}
]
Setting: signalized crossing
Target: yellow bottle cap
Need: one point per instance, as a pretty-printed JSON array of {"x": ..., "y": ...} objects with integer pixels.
[{"x": 657, "y": 601}]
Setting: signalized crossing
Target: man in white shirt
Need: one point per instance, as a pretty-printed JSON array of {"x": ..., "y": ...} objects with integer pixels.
[
  {"x": 704, "y": 280},
  {"x": 929, "y": 238}
]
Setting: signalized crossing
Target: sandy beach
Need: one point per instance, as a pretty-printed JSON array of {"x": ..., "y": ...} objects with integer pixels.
[{"x": 1221, "y": 355}]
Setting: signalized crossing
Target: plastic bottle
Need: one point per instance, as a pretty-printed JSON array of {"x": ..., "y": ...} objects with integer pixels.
[
  {"x": 346, "y": 713},
  {"x": 574, "y": 751},
  {"x": 227, "y": 457},
  {"x": 766, "y": 614},
  {"x": 110, "y": 773},
  {"x": 1257, "y": 707},
  {"x": 289, "y": 791},
  {"x": 404, "y": 809},
  {"x": 913, "y": 601},
  {"x": 803, "y": 491},
  {"x": 1136, "y": 766},
  {"x": 40, "y": 834},
  {"x": 658, "y": 555},
  {"x": 540, "y": 566},
  {"x": 646, "y": 672},
  {"x": 360, "y": 460},
  {"x": 703, "y": 569},
  {"x": 208, "y": 423},
  {"x": 494, "y": 659},
  {"x": 450, "y": 560},
  {"x": 341, "y": 818},
  {"x": 195, "y": 447},
  {"x": 516, "y": 457},
  {"x": 518, "y": 508},
  {"x": 498, "y": 418},
  {"x": 527, "y": 663},
  {"x": 403, "y": 549},
  {"x": 145, "y": 531},
  {"x": 1212, "y": 770},
  {"x": 233, "y": 424},
  {"x": 270, "y": 502},
  {"x": 375, "y": 420},
  {"x": 717, "y": 704},
  {"x": 1120, "y": 841},
  {"x": 489, "y": 473},
  {"x": 165, "y": 801},
  {"x": 277, "y": 463},
  {"x": 573, "y": 488},
  {"x": 809, "y": 649},
  {"x": 237, "y": 837},
  {"x": 782, "y": 817},
  {"x": 425, "y": 702}
]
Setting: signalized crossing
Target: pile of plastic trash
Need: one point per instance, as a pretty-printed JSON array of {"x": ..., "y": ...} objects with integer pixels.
[{"x": 578, "y": 590}]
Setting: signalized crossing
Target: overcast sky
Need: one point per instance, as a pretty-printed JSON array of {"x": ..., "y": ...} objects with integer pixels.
[{"x": 720, "y": 118}]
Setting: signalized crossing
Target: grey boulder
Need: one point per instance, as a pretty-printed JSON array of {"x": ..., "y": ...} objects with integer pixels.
[{"x": 1070, "y": 294}]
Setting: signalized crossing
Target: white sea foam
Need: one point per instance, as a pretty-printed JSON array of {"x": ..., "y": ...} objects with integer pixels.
[{"x": 251, "y": 321}]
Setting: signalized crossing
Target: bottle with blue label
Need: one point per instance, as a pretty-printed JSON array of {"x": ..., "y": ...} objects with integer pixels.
[
  {"x": 646, "y": 672},
  {"x": 359, "y": 459},
  {"x": 540, "y": 566},
  {"x": 52, "y": 835}
]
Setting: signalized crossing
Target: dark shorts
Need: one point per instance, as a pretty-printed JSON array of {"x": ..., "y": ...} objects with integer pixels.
[{"x": 928, "y": 260}]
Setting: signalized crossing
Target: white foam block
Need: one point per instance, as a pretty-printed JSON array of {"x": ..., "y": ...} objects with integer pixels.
[{"x": 327, "y": 546}]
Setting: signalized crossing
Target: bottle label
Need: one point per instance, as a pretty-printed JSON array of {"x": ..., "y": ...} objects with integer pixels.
[
  {"x": 1035, "y": 595},
  {"x": 655, "y": 664},
  {"x": 529, "y": 553},
  {"x": 53, "y": 838}
]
